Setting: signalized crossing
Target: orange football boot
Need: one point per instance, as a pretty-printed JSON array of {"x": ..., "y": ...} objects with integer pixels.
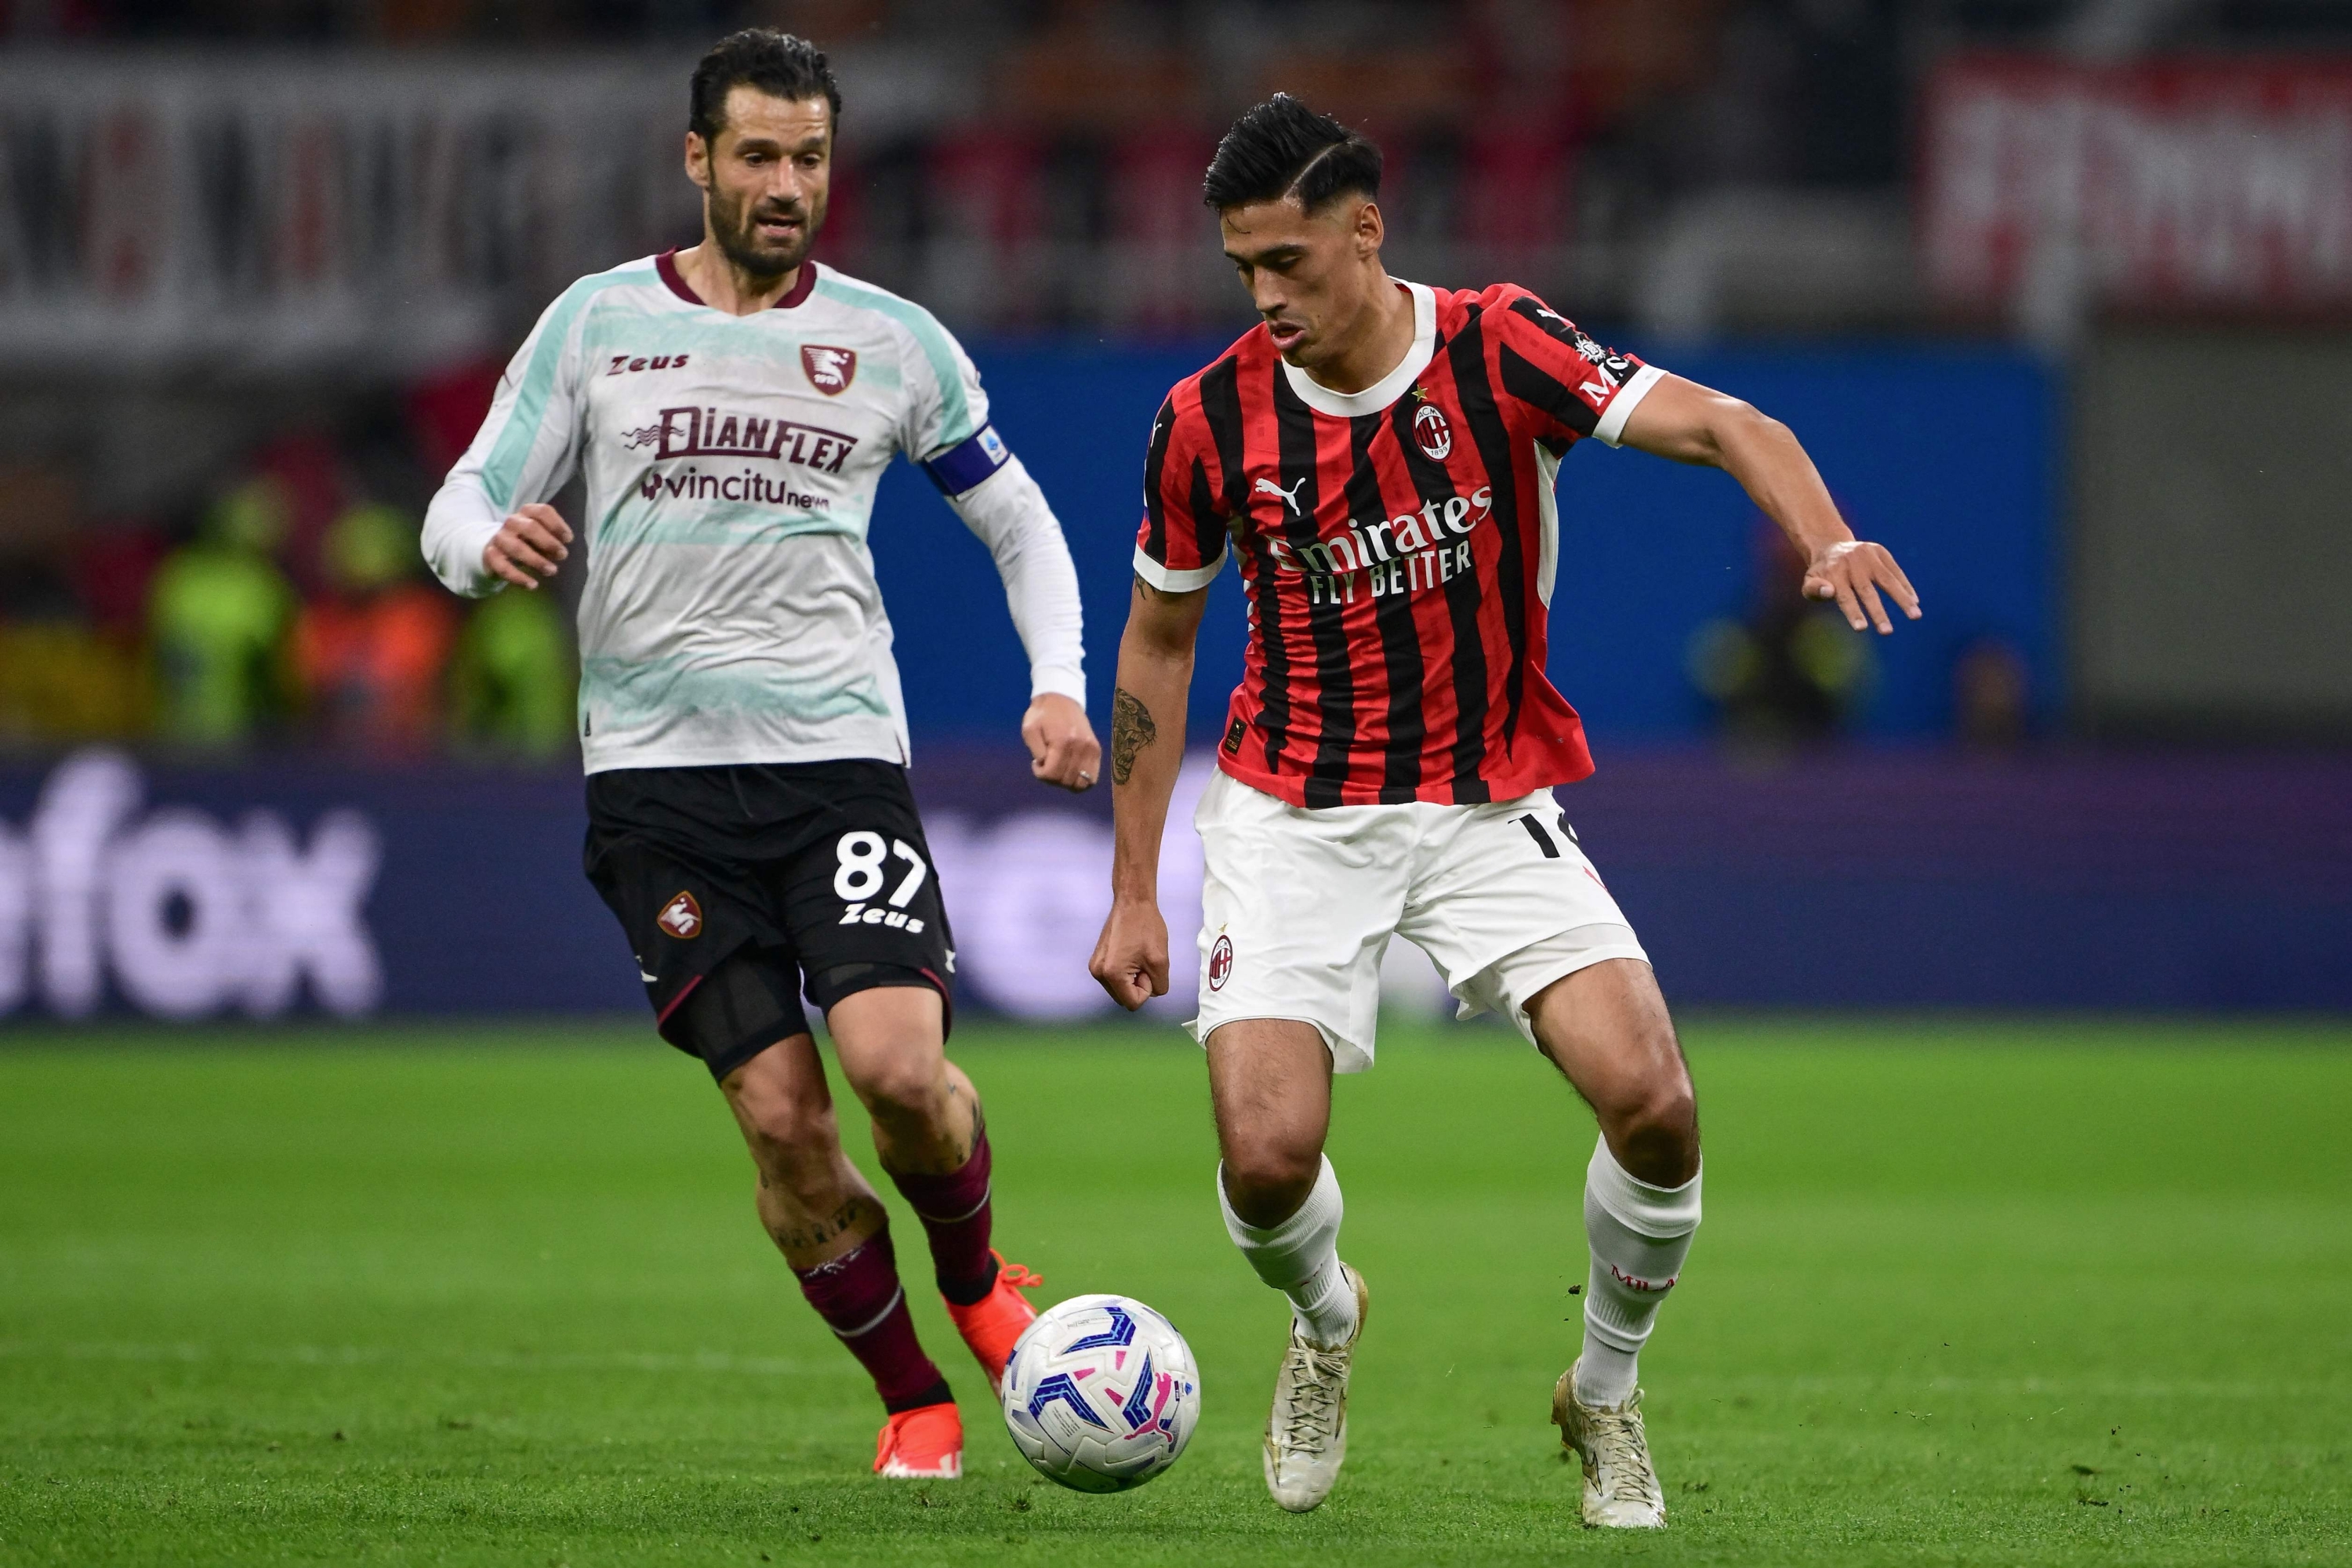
[
  {"x": 991, "y": 1324},
  {"x": 922, "y": 1445}
]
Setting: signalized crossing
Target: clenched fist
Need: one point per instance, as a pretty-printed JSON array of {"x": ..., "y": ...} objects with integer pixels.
[
  {"x": 528, "y": 546},
  {"x": 1062, "y": 746}
]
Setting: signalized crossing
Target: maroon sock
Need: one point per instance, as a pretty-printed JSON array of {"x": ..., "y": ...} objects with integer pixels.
[
  {"x": 857, "y": 1295},
  {"x": 954, "y": 1209}
]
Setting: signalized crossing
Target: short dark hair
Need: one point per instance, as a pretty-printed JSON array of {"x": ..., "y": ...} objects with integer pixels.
[
  {"x": 1282, "y": 148},
  {"x": 778, "y": 64}
]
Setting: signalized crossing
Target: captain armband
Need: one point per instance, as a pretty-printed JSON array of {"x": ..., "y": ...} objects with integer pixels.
[{"x": 966, "y": 463}]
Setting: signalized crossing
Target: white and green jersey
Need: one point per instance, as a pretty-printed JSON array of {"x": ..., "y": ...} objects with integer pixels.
[{"x": 731, "y": 613}]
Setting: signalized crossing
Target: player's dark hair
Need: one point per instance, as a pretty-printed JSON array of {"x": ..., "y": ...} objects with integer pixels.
[
  {"x": 1283, "y": 148},
  {"x": 778, "y": 64}
]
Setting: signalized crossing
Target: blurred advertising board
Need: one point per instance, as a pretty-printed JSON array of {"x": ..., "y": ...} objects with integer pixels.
[
  {"x": 387, "y": 211},
  {"x": 1883, "y": 880},
  {"x": 2218, "y": 184},
  {"x": 258, "y": 211},
  {"x": 192, "y": 893}
]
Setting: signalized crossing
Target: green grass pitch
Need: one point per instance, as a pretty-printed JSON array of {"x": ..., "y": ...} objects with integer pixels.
[{"x": 1971, "y": 1292}]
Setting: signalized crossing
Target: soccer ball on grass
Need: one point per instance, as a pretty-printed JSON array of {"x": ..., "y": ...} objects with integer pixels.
[{"x": 1101, "y": 1393}]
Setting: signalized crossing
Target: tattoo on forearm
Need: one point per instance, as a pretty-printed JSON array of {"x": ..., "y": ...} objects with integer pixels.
[{"x": 1131, "y": 730}]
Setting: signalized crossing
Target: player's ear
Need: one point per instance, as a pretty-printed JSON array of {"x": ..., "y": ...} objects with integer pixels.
[
  {"x": 698, "y": 159},
  {"x": 1369, "y": 229}
]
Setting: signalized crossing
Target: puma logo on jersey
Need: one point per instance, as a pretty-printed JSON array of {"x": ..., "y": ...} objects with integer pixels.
[{"x": 1289, "y": 497}]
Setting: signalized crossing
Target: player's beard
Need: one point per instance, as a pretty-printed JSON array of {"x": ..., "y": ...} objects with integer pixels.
[{"x": 735, "y": 224}]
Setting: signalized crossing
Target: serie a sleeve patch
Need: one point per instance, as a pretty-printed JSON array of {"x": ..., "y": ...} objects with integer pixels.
[{"x": 967, "y": 463}]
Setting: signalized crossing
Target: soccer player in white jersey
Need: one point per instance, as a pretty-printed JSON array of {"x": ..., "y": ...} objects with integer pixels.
[
  {"x": 732, "y": 407},
  {"x": 1380, "y": 457}
]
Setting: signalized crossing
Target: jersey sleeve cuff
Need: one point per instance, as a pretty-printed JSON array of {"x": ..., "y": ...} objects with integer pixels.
[
  {"x": 1053, "y": 680},
  {"x": 1610, "y": 431},
  {"x": 1170, "y": 580},
  {"x": 458, "y": 525}
]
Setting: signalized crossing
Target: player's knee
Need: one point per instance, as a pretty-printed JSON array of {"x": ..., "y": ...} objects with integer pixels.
[
  {"x": 1655, "y": 1132},
  {"x": 785, "y": 1132},
  {"x": 1670, "y": 1112},
  {"x": 1266, "y": 1184},
  {"x": 904, "y": 1093}
]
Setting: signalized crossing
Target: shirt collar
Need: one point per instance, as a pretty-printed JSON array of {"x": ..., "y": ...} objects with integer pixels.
[{"x": 1390, "y": 387}]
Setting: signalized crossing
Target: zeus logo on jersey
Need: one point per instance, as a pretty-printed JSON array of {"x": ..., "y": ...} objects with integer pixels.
[{"x": 705, "y": 433}]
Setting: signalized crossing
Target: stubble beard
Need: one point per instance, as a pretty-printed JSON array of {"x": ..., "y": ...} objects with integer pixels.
[{"x": 732, "y": 225}]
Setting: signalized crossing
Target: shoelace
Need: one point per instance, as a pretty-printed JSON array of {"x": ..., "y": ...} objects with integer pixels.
[
  {"x": 1618, "y": 1435},
  {"x": 1313, "y": 1401},
  {"x": 1017, "y": 1276}
]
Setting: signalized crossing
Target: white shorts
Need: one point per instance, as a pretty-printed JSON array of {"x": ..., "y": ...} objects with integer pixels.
[{"x": 1298, "y": 907}]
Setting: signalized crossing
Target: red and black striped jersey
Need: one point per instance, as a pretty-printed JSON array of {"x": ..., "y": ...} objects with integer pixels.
[{"x": 1397, "y": 548}]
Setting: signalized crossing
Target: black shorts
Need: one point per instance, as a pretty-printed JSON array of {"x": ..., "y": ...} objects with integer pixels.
[{"x": 807, "y": 876}]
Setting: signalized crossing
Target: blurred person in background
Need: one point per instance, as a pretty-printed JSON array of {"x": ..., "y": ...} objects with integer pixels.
[
  {"x": 64, "y": 675},
  {"x": 510, "y": 685},
  {"x": 220, "y": 619},
  {"x": 731, "y": 407},
  {"x": 1992, "y": 695},
  {"x": 1793, "y": 672},
  {"x": 373, "y": 650}
]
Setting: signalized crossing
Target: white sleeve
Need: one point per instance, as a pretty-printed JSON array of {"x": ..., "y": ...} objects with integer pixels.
[
  {"x": 1011, "y": 516},
  {"x": 457, "y": 524},
  {"x": 524, "y": 452},
  {"x": 945, "y": 404}
]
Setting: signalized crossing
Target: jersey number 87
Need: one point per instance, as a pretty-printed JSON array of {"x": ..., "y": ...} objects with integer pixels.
[{"x": 862, "y": 855}]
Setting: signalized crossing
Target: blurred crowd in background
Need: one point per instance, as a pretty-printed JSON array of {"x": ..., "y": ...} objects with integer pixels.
[
  {"x": 287, "y": 607},
  {"x": 261, "y": 260}
]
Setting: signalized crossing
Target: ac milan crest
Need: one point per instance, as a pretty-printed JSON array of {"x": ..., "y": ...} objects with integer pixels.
[
  {"x": 681, "y": 917},
  {"x": 1221, "y": 963},
  {"x": 829, "y": 370},
  {"x": 1432, "y": 432}
]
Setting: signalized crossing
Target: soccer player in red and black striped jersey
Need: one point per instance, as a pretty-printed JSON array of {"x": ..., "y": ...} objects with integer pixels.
[{"x": 1380, "y": 459}]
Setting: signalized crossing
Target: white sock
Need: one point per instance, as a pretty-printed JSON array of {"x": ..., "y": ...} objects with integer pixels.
[
  {"x": 1301, "y": 1257},
  {"x": 1639, "y": 1235}
]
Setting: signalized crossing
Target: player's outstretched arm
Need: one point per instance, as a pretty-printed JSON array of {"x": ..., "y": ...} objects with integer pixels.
[
  {"x": 1693, "y": 424},
  {"x": 1147, "y": 749}
]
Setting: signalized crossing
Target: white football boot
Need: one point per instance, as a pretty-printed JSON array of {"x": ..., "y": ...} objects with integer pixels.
[
  {"x": 1307, "y": 1434},
  {"x": 1621, "y": 1487}
]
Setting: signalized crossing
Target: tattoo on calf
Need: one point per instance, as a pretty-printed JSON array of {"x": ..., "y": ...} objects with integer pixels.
[
  {"x": 817, "y": 1233},
  {"x": 1131, "y": 730}
]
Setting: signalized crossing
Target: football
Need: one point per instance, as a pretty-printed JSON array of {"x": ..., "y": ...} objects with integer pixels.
[{"x": 1101, "y": 1393}]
